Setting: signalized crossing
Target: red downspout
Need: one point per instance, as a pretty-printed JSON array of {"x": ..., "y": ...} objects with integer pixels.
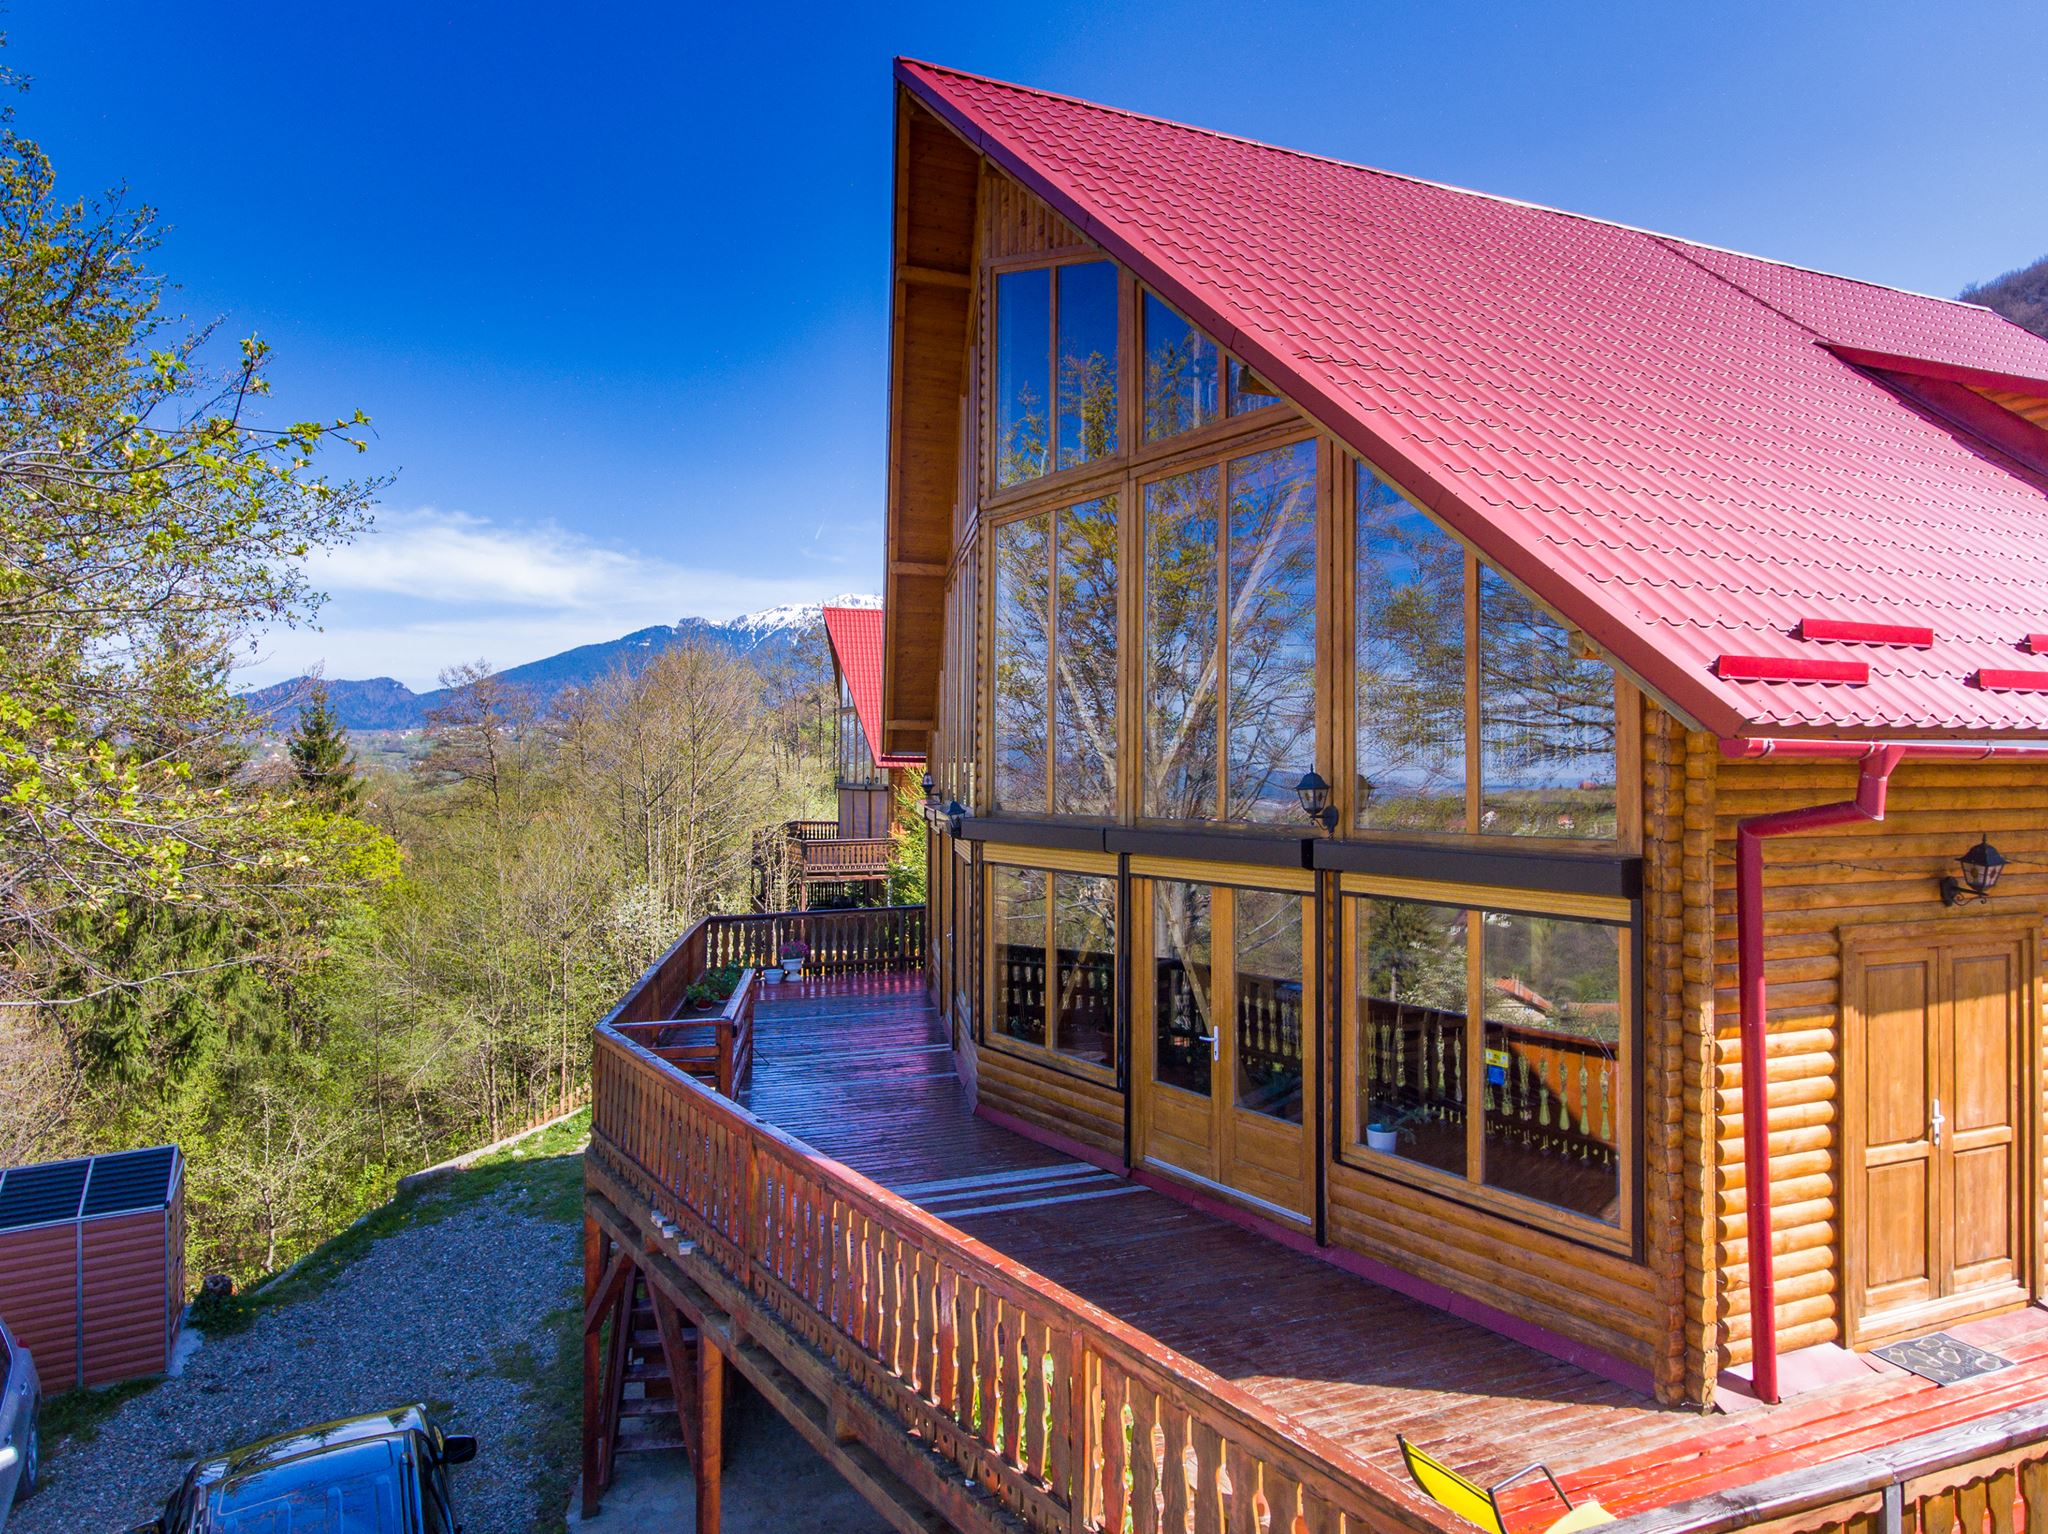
[{"x": 1878, "y": 759}]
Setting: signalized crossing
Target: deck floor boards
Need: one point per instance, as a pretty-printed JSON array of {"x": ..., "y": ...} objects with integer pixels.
[{"x": 859, "y": 1069}]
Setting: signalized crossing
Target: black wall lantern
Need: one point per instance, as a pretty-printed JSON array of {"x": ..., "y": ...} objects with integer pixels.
[
  {"x": 1314, "y": 795},
  {"x": 956, "y": 818},
  {"x": 931, "y": 789},
  {"x": 1981, "y": 866}
]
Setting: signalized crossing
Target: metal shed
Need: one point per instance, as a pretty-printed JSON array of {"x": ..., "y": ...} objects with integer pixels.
[{"x": 92, "y": 1263}]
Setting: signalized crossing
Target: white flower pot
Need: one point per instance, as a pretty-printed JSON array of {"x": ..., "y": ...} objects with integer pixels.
[{"x": 1381, "y": 1139}]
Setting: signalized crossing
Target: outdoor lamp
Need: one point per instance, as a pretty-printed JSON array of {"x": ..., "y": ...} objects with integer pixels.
[
  {"x": 1314, "y": 795},
  {"x": 931, "y": 789},
  {"x": 956, "y": 817},
  {"x": 1981, "y": 866}
]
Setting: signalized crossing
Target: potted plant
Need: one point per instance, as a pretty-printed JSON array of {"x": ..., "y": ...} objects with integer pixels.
[
  {"x": 794, "y": 954},
  {"x": 1388, "y": 1123}
]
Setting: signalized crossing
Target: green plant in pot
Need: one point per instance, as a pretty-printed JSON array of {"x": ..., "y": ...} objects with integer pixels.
[{"x": 1390, "y": 1121}]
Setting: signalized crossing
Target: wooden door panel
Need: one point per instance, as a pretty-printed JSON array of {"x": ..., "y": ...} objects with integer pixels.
[
  {"x": 1983, "y": 1250},
  {"x": 1898, "y": 1260},
  {"x": 1896, "y": 1091},
  {"x": 1983, "y": 1131}
]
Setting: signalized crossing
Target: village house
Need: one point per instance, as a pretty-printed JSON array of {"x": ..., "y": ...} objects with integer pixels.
[{"x": 1488, "y": 841}]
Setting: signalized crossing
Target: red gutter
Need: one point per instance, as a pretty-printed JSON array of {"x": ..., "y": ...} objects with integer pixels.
[{"x": 1877, "y": 759}]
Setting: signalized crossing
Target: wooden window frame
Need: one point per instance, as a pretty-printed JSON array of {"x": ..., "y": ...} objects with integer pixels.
[
  {"x": 994, "y": 496},
  {"x": 1291, "y": 431},
  {"x": 1628, "y": 824},
  {"x": 1048, "y": 861},
  {"x": 1624, "y": 1238}
]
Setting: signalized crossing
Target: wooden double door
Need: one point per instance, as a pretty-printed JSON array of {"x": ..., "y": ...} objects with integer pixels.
[
  {"x": 1223, "y": 1058},
  {"x": 1937, "y": 1131}
]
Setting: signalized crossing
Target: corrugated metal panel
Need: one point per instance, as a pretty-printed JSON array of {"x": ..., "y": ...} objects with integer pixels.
[
  {"x": 1646, "y": 433},
  {"x": 39, "y": 1297},
  {"x": 855, "y": 634},
  {"x": 123, "y": 1296},
  {"x": 130, "y": 1180},
  {"x": 35, "y": 1195}
]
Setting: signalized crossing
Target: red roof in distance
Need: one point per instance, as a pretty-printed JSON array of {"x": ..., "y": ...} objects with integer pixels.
[
  {"x": 855, "y": 634},
  {"x": 1672, "y": 446}
]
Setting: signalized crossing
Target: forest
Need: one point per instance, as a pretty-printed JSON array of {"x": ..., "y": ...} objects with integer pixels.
[{"x": 313, "y": 974}]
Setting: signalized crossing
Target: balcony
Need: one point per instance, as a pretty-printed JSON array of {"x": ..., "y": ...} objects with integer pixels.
[
  {"x": 793, "y": 859},
  {"x": 983, "y": 1332}
]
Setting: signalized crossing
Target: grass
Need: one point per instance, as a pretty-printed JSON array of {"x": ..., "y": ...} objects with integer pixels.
[
  {"x": 547, "y": 1168},
  {"x": 77, "y": 1415}
]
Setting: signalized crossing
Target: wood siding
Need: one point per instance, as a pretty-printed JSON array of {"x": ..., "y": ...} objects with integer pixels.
[
  {"x": 1819, "y": 890},
  {"x": 1049, "y": 1098}
]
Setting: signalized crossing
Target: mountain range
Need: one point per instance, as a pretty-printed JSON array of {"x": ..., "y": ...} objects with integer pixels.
[{"x": 383, "y": 703}]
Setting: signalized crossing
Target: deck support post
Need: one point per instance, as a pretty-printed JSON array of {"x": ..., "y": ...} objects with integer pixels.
[
  {"x": 708, "y": 1452},
  {"x": 594, "y": 1244}
]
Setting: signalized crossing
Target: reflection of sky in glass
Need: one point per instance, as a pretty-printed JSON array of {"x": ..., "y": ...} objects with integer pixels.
[
  {"x": 1020, "y": 660},
  {"x": 1270, "y": 705},
  {"x": 1546, "y": 723},
  {"x": 1248, "y": 391},
  {"x": 1087, "y": 362},
  {"x": 1410, "y": 664},
  {"x": 1180, "y": 644},
  {"x": 1023, "y": 361},
  {"x": 1181, "y": 374},
  {"x": 1084, "y": 667}
]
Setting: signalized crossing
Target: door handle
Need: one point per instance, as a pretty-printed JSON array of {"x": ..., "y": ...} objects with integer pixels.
[
  {"x": 1938, "y": 1121},
  {"x": 1210, "y": 1039}
]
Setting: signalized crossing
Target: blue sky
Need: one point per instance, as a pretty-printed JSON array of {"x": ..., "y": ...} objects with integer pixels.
[{"x": 612, "y": 280}]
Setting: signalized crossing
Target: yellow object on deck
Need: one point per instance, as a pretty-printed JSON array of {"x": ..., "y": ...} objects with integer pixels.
[{"x": 1480, "y": 1505}]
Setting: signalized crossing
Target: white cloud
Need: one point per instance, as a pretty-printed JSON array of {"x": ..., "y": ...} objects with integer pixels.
[{"x": 429, "y": 588}]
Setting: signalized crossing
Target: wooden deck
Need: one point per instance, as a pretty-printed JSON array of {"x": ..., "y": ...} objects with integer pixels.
[{"x": 859, "y": 1068}]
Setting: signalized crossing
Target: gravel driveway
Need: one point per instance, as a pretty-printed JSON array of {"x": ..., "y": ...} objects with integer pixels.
[{"x": 464, "y": 1311}]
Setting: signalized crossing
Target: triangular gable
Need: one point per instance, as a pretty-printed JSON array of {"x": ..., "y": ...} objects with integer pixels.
[
  {"x": 1653, "y": 437},
  {"x": 855, "y": 634}
]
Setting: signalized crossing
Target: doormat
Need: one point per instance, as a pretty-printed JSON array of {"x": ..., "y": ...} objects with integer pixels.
[{"x": 1941, "y": 1358}]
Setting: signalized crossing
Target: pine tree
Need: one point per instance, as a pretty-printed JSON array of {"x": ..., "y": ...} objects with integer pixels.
[{"x": 321, "y": 757}]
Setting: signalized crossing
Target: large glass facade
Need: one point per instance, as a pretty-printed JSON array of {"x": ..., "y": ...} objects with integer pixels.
[
  {"x": 1230, "y": 610},
  {"x": 1056, "y": 369},
  {"x": 1543, "y": 1078},
  {"x": 1182, "y": 374},
  {"x": 1020, "y": 656},
  {"x": 1542, "y": 716}
]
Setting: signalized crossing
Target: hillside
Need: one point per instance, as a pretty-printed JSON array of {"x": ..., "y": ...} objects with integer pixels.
[
  {"x": 2021, "y": 296},
  {"x": 770, "y": 636}
]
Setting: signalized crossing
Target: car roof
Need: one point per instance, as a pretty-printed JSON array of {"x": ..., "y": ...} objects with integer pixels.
[
  {"x": 358, "y": 1481},
  {"x": 309, "y": 1443}
]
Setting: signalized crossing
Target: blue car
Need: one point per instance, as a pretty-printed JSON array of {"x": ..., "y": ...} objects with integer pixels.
[{"x": 385, "y": 1473}]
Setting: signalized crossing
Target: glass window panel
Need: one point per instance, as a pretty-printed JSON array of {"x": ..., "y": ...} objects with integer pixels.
[
  {"x": 1546, "y": 723},
  {"x": 1023, "y": 403},
  {"x": 1084, "y": 940},
  {"x": 1183, "y": 1015},
  {"x": 1181, "y": 598},
  {"x": 1552, "y": 1075},
  {"x": 1270, "y": 701},
  {"x": 1087, "y": 362},
  {"x": 1084, "y": 671},
  {"x": 1412, "y": 1000},
  {"x": 1017, "y": 928},
  {"x": 1248, "y": 391},
  {"x": 1267, "y": 933},
  {"x": 1181, "y": 374},
  {"x": 1410, "y": 670},
  {"x": 1020, "y": 664}
]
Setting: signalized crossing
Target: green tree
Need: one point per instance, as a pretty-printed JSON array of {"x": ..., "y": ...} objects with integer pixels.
[{"x": 320, "y": 754}]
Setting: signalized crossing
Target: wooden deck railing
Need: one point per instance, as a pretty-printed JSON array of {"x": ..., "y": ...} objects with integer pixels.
[
  {"x": 1984, "y": 1477},
  {"x": 845, "y": 857},
  {"x": 840, "y": 942},
  {"x": 1073, "y": 1420}
]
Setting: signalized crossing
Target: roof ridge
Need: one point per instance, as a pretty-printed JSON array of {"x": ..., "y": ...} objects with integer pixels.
[{"x": 1442, "y": 186}]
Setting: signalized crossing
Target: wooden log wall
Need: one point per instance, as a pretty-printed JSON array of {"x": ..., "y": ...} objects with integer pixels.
[
  {"x": 1817, "y": 888},
  {"x": 1061, "y": 1101}
]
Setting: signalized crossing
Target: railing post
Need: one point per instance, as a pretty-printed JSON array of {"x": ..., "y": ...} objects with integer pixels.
[{"x": 1083, "y": 1417}]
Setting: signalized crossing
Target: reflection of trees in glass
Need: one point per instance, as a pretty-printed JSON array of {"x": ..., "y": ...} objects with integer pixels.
[
  {"x": 1018, "y": 930},
  {"x": 1087, "y": 362},
  {"x": 1085, "y": 659},
  {"x": 1410, "y": 670},
  {"x": 1248, "y": 391},
  {"x": 1414, "y": 954},
  {"x": 1181, "y": 374},
  {"x": 1412, "y": 1004},
  {"x": 1546, "y": 720},
  {"x": 1023, "y": 425},
  {"x": 1182, "y": 1009},
  {"x": 1084, "y": 942},
  {"x": 1181, "y": 599},
  {"x": 1559, "y": 975},
  {"x": 1270, "y": 697},
  {"x": 1022, "y": 575},
  {"x": 1267, "y": 950}
]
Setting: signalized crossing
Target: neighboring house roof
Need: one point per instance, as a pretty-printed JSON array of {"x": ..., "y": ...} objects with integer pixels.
[
  {"x": 856, "y": 637},
  {"x": 1672, "y": 446}
]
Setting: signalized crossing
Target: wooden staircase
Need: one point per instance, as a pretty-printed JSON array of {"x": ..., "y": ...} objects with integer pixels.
[{"x": 648, "y": 1416}]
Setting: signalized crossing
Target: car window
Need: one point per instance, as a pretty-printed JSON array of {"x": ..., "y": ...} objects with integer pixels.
[{"x": 440, "y": 1519}]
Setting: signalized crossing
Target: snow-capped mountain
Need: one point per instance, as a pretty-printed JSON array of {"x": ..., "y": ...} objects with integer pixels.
[{"x": 770, "y": 636}]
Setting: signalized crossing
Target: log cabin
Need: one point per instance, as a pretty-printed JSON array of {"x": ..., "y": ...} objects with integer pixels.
[{"x": 1484, "y": 754}]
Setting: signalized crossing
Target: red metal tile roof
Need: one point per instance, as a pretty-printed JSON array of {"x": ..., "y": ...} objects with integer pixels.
[
  {"x": 855, "y": 634},
  {"x": 1653, "y": 436}
]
